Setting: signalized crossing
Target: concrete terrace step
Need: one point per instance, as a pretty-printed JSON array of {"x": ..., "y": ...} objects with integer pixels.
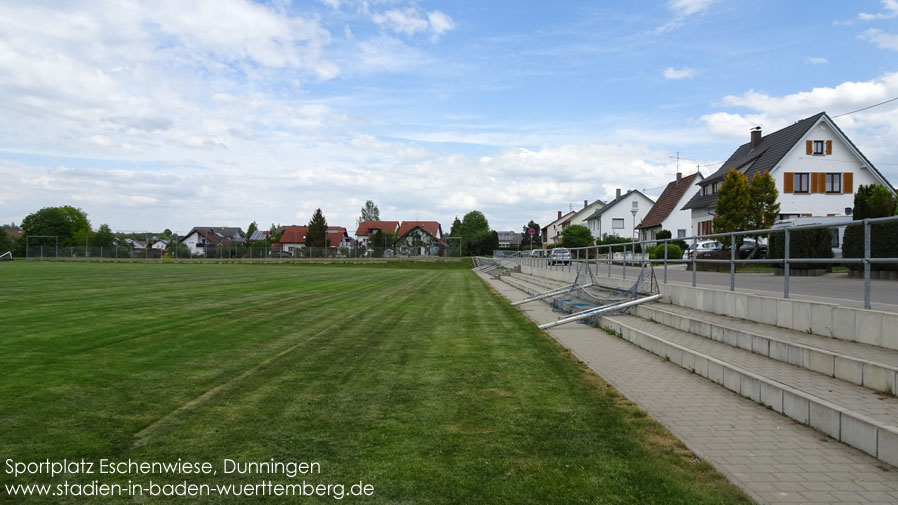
[
  {"x": 867, "y": 365},
  {"x": 846, "y": 412}
]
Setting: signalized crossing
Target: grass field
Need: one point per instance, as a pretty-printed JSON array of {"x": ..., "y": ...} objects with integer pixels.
[{"x": 419, "y": 381}]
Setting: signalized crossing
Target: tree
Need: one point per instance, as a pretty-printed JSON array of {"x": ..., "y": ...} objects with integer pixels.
[
  {"x": 68, "y": 223},
  {"x": 762, "y": 207},
  {"x": 316, "y": 237},
  {"x": 733, "y": 201},
  {"x": 251, "y": 229},
  {"x": 104, "y": 236},
  {"x": 532, "y": 225},
  {"x": 872, "y": 201},
  {"x": 370, "y": 212},
  {"x": 380, "y": 240},
  {"x": 168, "y": 233},
  {"x": 7, "y": 241},
  {"x": 475, "y": 234},
  {"x": 576, "y": 235},
  {"x": 455, "y": 231}
]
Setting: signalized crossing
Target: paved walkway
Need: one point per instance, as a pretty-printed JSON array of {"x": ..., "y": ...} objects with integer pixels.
[
  {"x": 830, "y": 288},
  {"x": 772, "y": 458}
]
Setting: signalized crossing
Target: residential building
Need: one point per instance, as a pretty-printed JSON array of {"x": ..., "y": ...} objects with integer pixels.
[
  {"x": 551, "y": 233},
  {"x": 201, "y": 237},
  {"x": 667, "y": 213},
  {"x": 816, "y": 167},
  {"x": 620, "y": 216},
  {"x": 368, "y": 228},
  {"x": 294, "y": 238},
  {"x": 420, "y": 238},
  {"x": 509, "y": 239}
]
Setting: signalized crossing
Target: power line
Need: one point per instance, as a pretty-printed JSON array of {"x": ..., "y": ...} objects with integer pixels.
[{"x": 865, "y": 108}]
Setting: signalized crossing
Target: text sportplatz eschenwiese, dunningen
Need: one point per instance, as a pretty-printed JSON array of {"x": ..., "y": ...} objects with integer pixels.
[{"x": 85, "y": 471}]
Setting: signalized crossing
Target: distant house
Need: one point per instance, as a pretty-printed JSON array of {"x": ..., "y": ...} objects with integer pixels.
[
  {"x": 420, "y": 238},
  {"x": 551, "y": 233},
  {"x": 368, "y": 228},
  {"x": 667, "y": 213},
  {"x": 617, "y": 217},
  {"x": 159, "y": 245},
  {"x": 294, "y": 238},
  {"x": 816, "y": 167},
  {"x": 509, "y": 239},
  {"x": 202, "y": 237},
  {"x": 258, "y": 236}
]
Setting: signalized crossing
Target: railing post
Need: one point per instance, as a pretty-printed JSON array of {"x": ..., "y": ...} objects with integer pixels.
[
  {"x": 694, "y": 254},
  {"x": 665, "y": 261},
  {"x": 732, "y": 261},
  {"x": 786, "y": 266},
  {"x": 608, "y": 260},
  {"x": 624, "y": 263},
  {"x": 867, "y": 303}
]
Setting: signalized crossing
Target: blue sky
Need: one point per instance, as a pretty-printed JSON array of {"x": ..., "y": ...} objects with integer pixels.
[{"x": 152, "y": 115}]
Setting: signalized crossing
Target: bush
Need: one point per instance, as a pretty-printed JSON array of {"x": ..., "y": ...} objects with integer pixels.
[
  {"x": 813, "y": 243},
  {"x": 871, "y": 202},
  {"x": 673, "y": 252},
  {"x": 613, "y": 239}
]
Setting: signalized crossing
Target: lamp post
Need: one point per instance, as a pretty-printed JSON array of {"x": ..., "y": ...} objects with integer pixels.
[{"x": 634, "y": 211}]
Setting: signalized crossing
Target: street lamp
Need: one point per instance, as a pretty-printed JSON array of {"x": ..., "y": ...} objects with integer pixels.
[{"x": 634, "y": 211}]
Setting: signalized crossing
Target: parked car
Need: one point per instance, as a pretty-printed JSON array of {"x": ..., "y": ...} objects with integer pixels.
[
  {"x": 560, "y": 255},
  {"x": 704, "y": 245},
  {"x": 537, "y": 253},
  {"x": 748, "y": 246}
]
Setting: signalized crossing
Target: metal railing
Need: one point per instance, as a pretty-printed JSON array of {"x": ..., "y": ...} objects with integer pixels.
[{"x": 625, "y": 252}]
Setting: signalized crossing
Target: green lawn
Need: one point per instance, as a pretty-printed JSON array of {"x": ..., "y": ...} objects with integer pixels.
[{"x": 419, "y": 381}]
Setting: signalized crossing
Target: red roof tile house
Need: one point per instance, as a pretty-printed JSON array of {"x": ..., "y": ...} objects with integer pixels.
[
  {"x": 368, "y": 228},
  {"x": 667, "y": 213},
  {"x": 202, "y": 237},
  {"x": 420, "y": 238},
  {"x": 294, "y": 238}
]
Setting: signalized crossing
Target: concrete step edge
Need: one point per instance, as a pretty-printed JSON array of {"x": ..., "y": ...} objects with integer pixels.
[
  {"x": 869, "y": 435},
  {"x": 874, "y": 375}
]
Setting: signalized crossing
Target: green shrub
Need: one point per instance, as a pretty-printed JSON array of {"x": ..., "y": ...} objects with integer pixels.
[
  {"x": 613, "y": 239},
  {"x": 673, "y": 252},
  {"x": 872, "y": 201},
  {"x": 813, "y": 243}
]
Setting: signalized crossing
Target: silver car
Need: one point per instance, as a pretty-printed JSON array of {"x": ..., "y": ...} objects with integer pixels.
[{"x": 560, "y": 255}]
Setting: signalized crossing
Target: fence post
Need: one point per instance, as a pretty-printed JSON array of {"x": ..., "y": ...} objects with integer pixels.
[
  {"x": 665, "y": 261},
  {"x": 867, "y": 264},
  {"x": 624, "y": 264},
  {"x": 694, "y": 254},
  {"x": 732, "y": 261},
  {"x": 786, "y": 265},
  {"x": 608, "y": 259}
]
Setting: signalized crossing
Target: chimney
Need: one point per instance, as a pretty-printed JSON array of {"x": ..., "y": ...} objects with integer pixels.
[
  {"x": 585, "y": 203},
  {"x": 755, "y": 136},
  {"x": 618, "y": 193},
  {"x": 559, "y": 214},
  {"x": 679, "y": 176}
]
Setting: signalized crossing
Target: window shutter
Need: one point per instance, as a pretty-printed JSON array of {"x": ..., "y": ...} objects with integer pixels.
[
  {"x": 788, "y": 182},
  {"x": 809, "y": 147},
  {"x": 829, "y": 147},
  {"x": 818, "y": 183},
  {"x": 848, "y": 182},
  {"x": 807, "y": 214}
]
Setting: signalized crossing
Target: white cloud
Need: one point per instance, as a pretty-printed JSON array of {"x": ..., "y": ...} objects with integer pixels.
[
  {"x": 682, "y": 73},
  {"x": 873, "y": 130},
  {"x": 683, "y": 9},
  {"x": 891, "y": 11},
  {"x": 881, "y": 39},
  {"x": 410, "y": 21},
  {"x": 816, "y": 60}
]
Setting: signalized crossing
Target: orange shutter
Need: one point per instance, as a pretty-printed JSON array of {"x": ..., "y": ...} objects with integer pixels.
[
  {"x": 848, "y": 182},
  {"x": 819, "y": 180},
  {"x": 810, "y": 147},
  {"x": 806, "y": 215},
  {"x": 815, "y": 187},
  {"x": 788, "y": 182},
  {"x": 829, "y": 147}
]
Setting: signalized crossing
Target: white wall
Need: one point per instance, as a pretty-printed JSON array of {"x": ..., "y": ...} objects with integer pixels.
[
  {"x": 697, "y": 216},
  {"x": 191, "y": 243}
]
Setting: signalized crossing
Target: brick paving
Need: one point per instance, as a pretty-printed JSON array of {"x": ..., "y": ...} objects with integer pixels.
[{"x": 774, "y": 459}]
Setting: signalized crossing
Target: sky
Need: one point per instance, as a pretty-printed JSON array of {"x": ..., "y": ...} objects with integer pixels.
[{"x": 171, "y": 114}]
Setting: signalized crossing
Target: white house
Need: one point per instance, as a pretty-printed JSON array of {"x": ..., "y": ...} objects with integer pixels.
[
  {"x": 620, "y": 216},
  {"x": 816, "y": 167},
  {"x": 368, "y": 228},
  {"x": 551, "y": 233},
  {"x": 160, "y": 245},
  {"x": 201, "y": 237},
  {"x": 667, "y": 213}
]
